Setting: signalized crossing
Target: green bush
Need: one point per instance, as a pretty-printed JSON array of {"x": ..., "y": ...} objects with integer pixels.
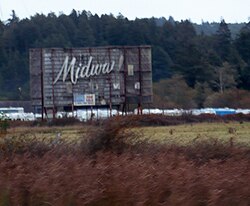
[{"x": 4, "y": 125}]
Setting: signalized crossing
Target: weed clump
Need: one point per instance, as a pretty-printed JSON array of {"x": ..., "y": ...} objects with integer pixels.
[
  {"x": 112, "y": 135},
  {"x": 4, "y": 125}
]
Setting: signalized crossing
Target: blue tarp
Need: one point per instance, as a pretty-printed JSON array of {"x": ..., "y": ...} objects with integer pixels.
[{"x": 222, "y": 112}]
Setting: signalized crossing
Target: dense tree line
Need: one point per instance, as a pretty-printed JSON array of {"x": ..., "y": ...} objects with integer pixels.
[{"x": 202, "y": 67}]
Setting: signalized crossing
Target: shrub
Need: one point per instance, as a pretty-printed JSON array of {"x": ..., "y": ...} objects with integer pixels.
[{"x": 4, "y": 125}]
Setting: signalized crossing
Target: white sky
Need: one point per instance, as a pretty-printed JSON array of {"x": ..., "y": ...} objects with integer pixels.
[{"x": 195, "y": 10}]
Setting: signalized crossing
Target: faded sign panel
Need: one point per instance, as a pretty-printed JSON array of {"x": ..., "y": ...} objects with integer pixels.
[
  {"x": 89, "y": 99},
  {"x": 78, "y": 99},
  {"x": 130, "y": 70},
  {"x": 84, "y": 99}
]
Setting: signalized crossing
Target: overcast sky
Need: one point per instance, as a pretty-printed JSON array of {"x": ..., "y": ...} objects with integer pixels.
[{"x": 195, "y": 10}]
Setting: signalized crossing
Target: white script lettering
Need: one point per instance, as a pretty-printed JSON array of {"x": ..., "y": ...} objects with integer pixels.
[{"x": 82, "y": 71}]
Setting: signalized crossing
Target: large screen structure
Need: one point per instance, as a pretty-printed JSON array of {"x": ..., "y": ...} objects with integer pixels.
[{"x": 114, "y": 76}]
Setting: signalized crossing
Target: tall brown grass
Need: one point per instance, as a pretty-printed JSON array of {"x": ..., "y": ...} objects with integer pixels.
[{"x": 107, "y": 170}]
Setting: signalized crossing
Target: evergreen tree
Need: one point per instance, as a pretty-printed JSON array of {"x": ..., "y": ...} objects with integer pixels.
[
  {"x": 162, "y": 64},
  {"x": 84, "y": 34},
  {"x": 243, "y": 47},
  {"x": 223, "y": 41},
  {"x": 243, "y": 43}
]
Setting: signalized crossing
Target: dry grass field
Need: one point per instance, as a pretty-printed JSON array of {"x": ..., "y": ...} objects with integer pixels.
[
  {"x": 45, "y": 133},
  {"x": 184, "y": 134},
  {"x": 187, "y": 134}
]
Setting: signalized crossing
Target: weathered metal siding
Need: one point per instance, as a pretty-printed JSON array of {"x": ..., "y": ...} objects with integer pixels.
[
  {"x": 129, "y": 82},
  {"x": 35, "y": 64}
]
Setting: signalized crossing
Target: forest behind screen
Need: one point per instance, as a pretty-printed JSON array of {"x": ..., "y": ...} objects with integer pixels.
[{"x": 205, "y": 65}]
